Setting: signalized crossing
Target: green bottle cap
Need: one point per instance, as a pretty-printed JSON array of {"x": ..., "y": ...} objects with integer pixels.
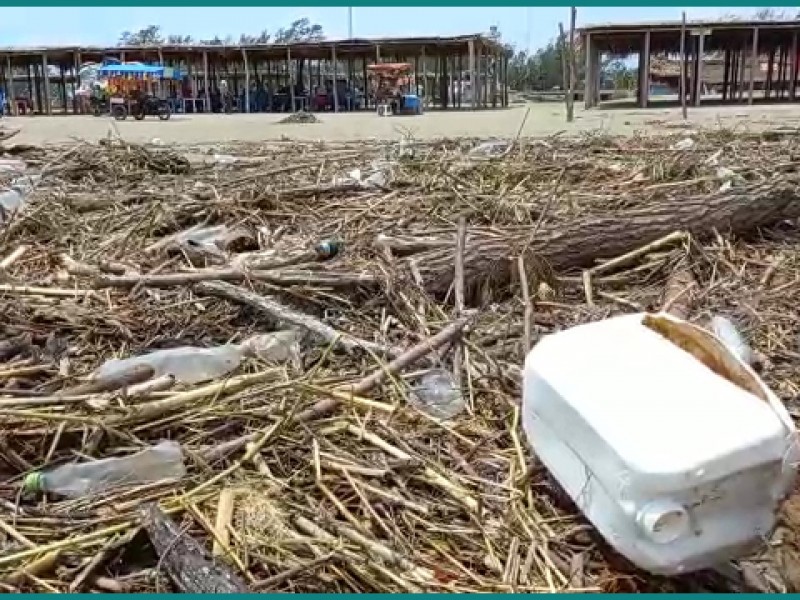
[{"x": 33, "y": 482}]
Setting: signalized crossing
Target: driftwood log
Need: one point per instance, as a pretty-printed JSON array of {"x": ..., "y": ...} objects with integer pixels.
[
  {"x": 582, "y": 242},
  {"x": 186, "y": 562}
]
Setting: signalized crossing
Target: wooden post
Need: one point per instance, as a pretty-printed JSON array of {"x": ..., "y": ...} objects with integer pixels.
[
  {"x": 770, "y": 73},
  {"x": 754, "y": 66},
  {"x": 33, "y": 88},
  {"x": 246, "y": 81},
  {"x": 565, "y": 68},
  {"x": 682, "y": 86},
  {"x": 46, "y": 76},
  {"x": 495, "y": 77},
  {"x": 6, "y": 86},
  {"x": 10, "y": 91},
  {"x": 365, "y": 75},
  {"x": 726, "y": 75},
  {"x": 63, "y": 82},
  {"x": 485, "y": 76},
  {"x": 472, "y": 73},
  {"x": 426, "y": 94},
  {"x": 335, "y": 79},
  {"x": 505, "y": 80},
  {"x": 644, "y": 71},
  {"x": 793, "y": 68},
  {"x": 205, "y": 81},
  {"x": 699, "y": 62},
  {"x": 289, "y": 71},
  {"x": 588, "y": 77},
  {"x": 573, "y": 75}
]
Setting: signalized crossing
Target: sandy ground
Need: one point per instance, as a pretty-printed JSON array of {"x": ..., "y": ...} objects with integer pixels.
[{"x": 543, "y": 119}]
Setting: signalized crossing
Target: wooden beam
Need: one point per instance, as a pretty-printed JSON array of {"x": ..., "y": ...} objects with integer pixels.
[
  {"x": 335, "y": 79},
  {"x": 644, "y": 71},
  {"x": 291, "y": 78},
  {"x": 472, "y": 73},
  {"x": 11, "y": 92},
  {"x": 588, "y": 74},
  {"x": 726, "y": 69},
  {"x": 6, "y": 79},
  {"x": 770, "y": 73},
  {"x": 425, "y": 89},
  {"x": 682, "y": 86},
  {"x": 699, "y": 62},
  {"x": 246, "y": 81},
  {"x": 63, "y": 87},
  {"x": 793, "y": 69},
  {"x": 495, "y": 76},
  {"x": 565, "y": 68},
  {"x": 205, "y": 81},
  {"x": 505, "y": 80},
  {"x": 573, "y": 15},
  {"x": 754, "y": 66},
  {"x": 48, "y": 106}
]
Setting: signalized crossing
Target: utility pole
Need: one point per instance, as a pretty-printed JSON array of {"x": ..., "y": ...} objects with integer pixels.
[{"x": 350, "y": 22}]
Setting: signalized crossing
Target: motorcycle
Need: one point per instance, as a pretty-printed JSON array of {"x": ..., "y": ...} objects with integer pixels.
[
  {"x": 151, "y": 106},
  {"x": 99, "y": 106}
]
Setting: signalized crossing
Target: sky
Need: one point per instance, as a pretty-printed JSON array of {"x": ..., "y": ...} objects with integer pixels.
[{"x": 526, "y": 28}]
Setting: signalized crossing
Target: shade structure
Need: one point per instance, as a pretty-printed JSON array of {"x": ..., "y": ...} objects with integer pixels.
[{"x": 133, "y": 70}]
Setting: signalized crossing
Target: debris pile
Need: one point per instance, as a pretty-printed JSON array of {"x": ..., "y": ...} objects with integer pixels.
[
  {"x": 301, "y": 117},
  {"x": 340, "y": 363}
]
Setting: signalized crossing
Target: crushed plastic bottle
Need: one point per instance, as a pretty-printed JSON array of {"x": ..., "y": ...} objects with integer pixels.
[
  {"x": 684, "y": 144},
  {"x": 280, "y": 346},
  {"x": 726, "y": 331},
  {"x": 10, "y": 201},
  {"x": 436, "y": 394},
  {"x": 12, "y": 166},
  {"x": 14, "y": 197},
  {"x": 74, "y": 480},
  {"x": 224, "y": 160},
  {"x": 186, "y": 364},
  {"x": 491, "y": 149}
]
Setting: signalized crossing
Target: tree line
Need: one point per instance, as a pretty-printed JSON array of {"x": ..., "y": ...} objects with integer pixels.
[
  {"x": 538, "y": 70},
  {"x": 301, "y": 30},
  {"x": 542, "y": 69}
]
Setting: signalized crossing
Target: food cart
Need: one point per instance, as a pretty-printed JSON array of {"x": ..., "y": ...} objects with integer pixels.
[
  {"x": 132, "y": 89},
  {"x": 391, "y": 83}
]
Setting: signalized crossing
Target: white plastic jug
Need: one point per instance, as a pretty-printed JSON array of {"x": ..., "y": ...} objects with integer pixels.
[{"x": 671, "y": 446}]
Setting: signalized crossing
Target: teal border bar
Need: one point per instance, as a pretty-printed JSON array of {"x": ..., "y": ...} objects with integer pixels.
[
  {"x": 372, "y": 3},
  {"x": 416, "y": 596}
]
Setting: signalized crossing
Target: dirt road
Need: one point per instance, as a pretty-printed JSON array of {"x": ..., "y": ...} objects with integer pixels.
[{"x": 543, "y": 119}]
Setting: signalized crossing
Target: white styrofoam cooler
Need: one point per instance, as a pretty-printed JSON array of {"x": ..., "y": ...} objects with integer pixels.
[{"x": 677, "y": 467}]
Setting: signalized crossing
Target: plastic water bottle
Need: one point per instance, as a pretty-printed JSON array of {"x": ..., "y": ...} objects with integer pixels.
[
  {"x": 10, "y": 200},
  {"x": 437, "y": 395},
  {"x": 157, "y": 463},
  {"x": 186, "y": 364},
  {"x": 725, "y": 330}
]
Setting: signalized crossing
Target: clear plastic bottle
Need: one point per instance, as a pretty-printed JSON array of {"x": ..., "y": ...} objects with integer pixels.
[
  {"x": 186, "y": 364},
  {"x": 11, "y": 200},
  {"x": 726, "y": 331},
  {"x": 161, "y": 462},
  {"x": 437, "y": 395}
]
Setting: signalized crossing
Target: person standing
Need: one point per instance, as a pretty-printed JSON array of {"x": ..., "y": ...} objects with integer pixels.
[
  {"x": 2, "y": 102},
  {"x": 223, "y": 96}
]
